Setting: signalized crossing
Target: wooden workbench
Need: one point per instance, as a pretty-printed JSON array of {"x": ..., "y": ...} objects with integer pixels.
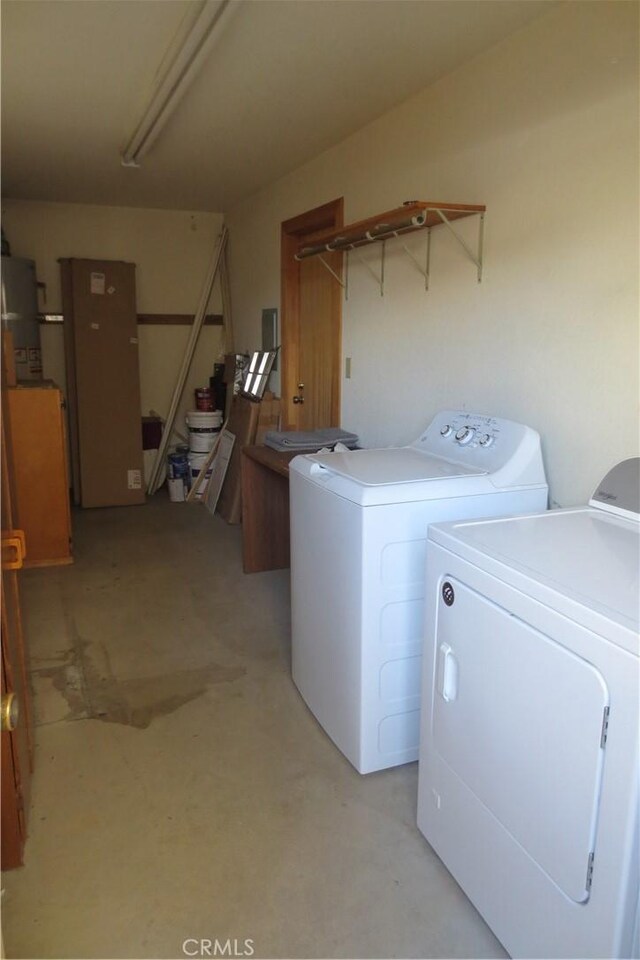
[{"x": 265, "y": 509}]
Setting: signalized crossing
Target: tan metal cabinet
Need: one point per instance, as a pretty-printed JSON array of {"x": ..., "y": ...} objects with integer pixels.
[
  {"x": 40, "y": 464},
  {"x": 103, "y": 381}
]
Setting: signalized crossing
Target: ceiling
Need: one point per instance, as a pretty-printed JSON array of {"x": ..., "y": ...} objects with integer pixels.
[{"x": 286, "y": 80}]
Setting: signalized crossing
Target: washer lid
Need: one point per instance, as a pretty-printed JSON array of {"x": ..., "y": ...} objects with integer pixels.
[
  {"x": 583, "y": 555},
  {"x": 373, "y": 468}
]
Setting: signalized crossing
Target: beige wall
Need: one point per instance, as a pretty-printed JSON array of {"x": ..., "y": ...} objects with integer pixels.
[
  {"x": 172, "y": 252},
  {"x": 543, "y": 129}
]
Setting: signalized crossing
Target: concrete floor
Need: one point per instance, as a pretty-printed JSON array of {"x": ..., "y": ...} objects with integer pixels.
[{"x": 183, "y": 790}]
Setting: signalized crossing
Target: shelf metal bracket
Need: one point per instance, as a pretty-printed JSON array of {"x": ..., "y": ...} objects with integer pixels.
[
  {"x": 379, "y": 279},
  {"x": 331, "y": 271},
  {"x": 477, "y": 258},
  {"x": 423, "y": 270}
]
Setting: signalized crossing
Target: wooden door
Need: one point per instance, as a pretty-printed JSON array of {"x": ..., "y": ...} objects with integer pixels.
[
  {"x": 311, "y": 318},
  {"x": 17, "y": 744}
]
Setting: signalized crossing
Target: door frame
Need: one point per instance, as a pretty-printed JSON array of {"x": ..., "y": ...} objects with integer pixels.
[{"x": 326, "y": 217}]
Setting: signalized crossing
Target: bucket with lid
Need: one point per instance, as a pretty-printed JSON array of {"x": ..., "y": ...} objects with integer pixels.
[
  {"x": 203, "y": 429},
  {"x": 196, "y": 462}
]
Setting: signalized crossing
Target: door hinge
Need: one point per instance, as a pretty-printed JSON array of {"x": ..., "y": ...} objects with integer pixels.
[
  {"x": 605, "y": 727},
  {"x": 590, "y": 871}
]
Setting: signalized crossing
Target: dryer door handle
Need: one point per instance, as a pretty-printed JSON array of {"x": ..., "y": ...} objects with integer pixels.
[{"x": 447, "y": 674}]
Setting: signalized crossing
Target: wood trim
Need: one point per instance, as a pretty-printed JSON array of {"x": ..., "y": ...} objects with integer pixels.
[
  {"x": 329, "y": 216},
  {"x": 337, "y": 347},
  {"x": 66, "y": 280},
  {"x": 160, "y": 319},
  {"x": 179, "y": 319},
  {"x": 289, "y": 330}
]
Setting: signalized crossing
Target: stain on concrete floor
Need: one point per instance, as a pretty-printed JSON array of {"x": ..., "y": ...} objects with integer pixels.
[
  {"x": 137, "y": 702},
  {"x": 82, "y": 674}
]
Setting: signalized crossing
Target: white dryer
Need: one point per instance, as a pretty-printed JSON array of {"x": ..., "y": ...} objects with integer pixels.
[
  {"x": 528, "y": 774},
  {"x": 358, "y": 541}
]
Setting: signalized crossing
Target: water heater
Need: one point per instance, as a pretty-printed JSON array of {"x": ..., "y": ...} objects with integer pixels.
[{"x": 20, "y": 315}]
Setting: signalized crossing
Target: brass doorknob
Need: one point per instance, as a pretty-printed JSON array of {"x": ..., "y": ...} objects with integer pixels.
[
  {"x": 9, "y": 711},
  {"x": 297, "y": 399}
]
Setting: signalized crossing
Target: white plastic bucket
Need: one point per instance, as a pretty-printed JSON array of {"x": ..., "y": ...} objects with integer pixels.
[
  {"x": 177, "y": 489},
  {"x": 203, "y": 429},
  {"x": 196, "y": 463}
]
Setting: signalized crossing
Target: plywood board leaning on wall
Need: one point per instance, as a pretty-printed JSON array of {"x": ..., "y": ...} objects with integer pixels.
[
  {"x": 243, "y": 424},
  {"x": 220, "y": 467}
]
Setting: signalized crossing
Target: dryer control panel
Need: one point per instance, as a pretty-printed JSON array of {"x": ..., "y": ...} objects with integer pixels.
[
  {"x": 619, "y": 492},
  {"x": 502, "y": 447}
]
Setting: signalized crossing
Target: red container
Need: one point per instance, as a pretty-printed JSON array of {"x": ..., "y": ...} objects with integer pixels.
[{"x": 204, "y": 399}]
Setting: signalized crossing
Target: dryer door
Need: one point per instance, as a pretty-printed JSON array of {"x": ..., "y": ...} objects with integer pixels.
[{"x": 518, "y": 718}]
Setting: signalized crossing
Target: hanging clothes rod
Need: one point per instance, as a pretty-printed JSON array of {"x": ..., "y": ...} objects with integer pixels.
[{"x": 413, "y": 215}]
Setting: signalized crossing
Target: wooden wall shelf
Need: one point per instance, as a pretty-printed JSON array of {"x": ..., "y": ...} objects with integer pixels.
[
  {"x": 411, "y": 216},
  {"x": 157, "y": 319}
]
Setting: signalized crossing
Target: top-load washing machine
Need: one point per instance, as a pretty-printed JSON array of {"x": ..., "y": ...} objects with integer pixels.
[
  {"x": 528, "y": 774},
  {"x": 358, "y": 538}
]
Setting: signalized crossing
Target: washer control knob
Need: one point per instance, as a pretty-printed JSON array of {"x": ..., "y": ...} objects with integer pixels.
[
  {"x": 465, "y": 435},
  {"x": 486, "y": 440},
  {"x": 446, "y": 431}
]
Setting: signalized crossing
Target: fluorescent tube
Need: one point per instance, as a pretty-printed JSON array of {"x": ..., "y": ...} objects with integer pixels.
[{"x": 181, "y": 72}]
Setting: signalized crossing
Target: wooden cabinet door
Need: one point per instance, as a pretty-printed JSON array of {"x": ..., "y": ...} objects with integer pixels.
[
  {"x": 17, "y": 744},
  {"x": 40, "y": 466}
]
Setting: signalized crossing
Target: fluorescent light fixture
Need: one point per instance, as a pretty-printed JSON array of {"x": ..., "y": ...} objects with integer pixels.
[
  {"x": 178, "y": 76},
  {"x": 258, "y": 374}
]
